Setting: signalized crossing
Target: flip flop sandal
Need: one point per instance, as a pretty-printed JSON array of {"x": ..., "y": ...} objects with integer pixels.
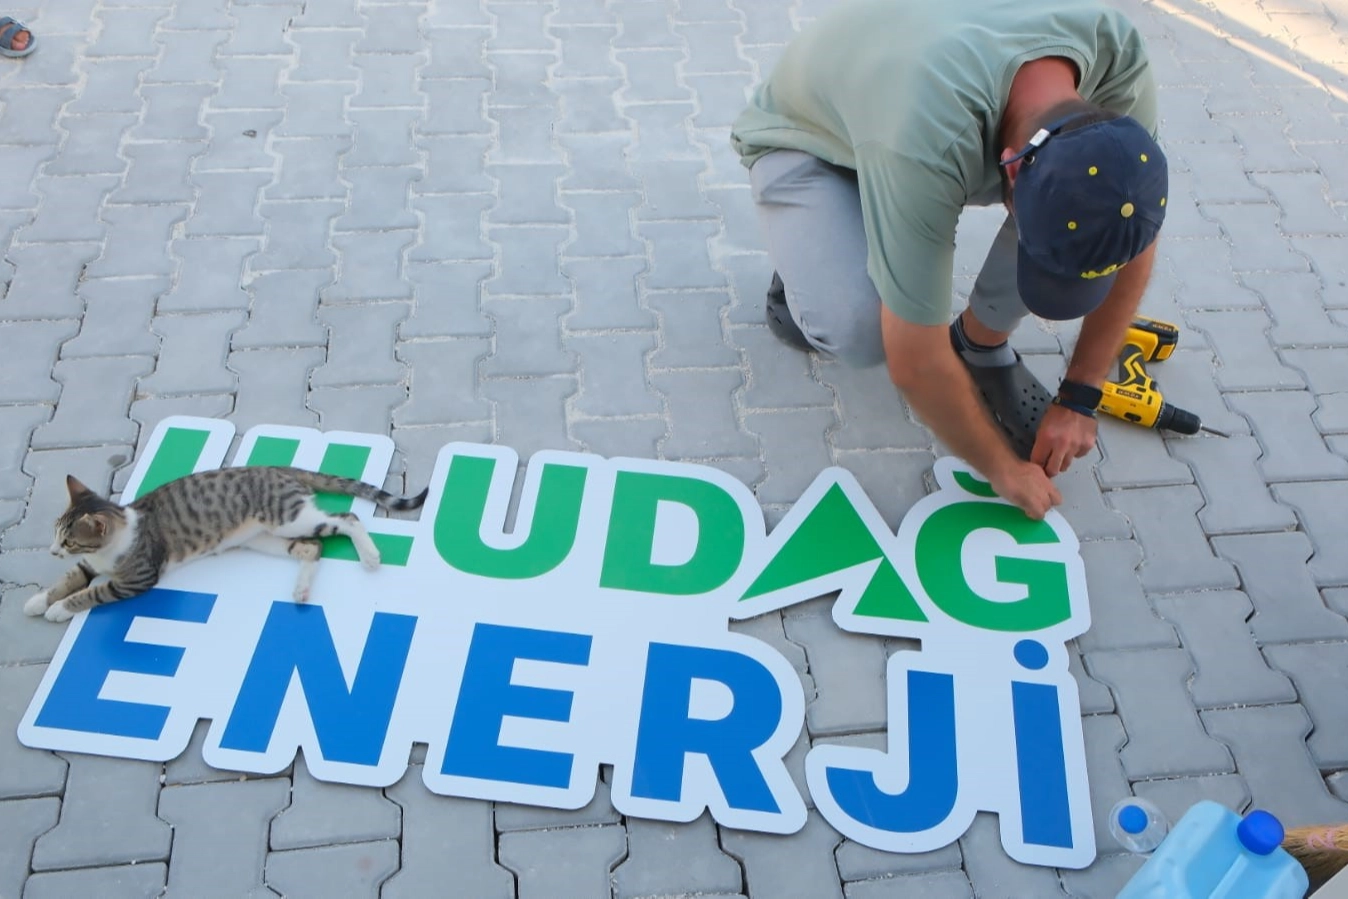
[
  {"x": 1016, "y": 400},
  {"x": 9, "y": 28}
]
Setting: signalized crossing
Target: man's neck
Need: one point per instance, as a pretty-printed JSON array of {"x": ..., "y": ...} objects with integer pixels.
[{"x": 1039, "y": 85}]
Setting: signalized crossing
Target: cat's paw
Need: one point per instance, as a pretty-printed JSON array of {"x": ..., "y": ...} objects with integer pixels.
[
  {"x": 301, "y": 594},
  {"x": 59, "y": 611},
  {"x": 37, "y": 604},
  {"x": 371, "y": 562}
]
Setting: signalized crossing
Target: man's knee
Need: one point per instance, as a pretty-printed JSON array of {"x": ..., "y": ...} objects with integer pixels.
[{"x": 854, "y": 341}]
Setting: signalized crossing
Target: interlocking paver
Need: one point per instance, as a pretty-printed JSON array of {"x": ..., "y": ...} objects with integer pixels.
[
  {"x": 172, "y": 112},
  {"x": 24, "y": 772},
  {"x": 107, "y": 816},
  {"x": 24, "y": 820},
  {"x": 590, "y": 106},
  {"x": 1292, "y": 448},
  {"x": 227, "y": 203},
  {"x": 362, "y": 409},
  {"x": 995, "y": 875},
  {"x": 1177, "y": 556},
  {"x": 1274, "y": 575},
  {"x": 1317, "y": 671},
  {"x": 1323, "y": 510},
  {"x": 267, "y": 381},
  {"x": 308, "y": 169},
  {"x": 126, "y": 32},
  {"x": 69, "y": 208},
  {"x": 606, "y": 294},
  {"x": 1269, "y": 745},
  {"x": 1104, "y": 737},
  {"x": 612, "y": 367},
  {"x": 602, "y": 224},
  {"x": 570, "y": 861},
  {"x": 519, "y": 272},
  {"x": 691, "y": 330},
  {"x": 149, "y": 178},
  {"x": 938, "y": 885},
  {"x": 1136, "y": 457},
  {"x": 1121, "y": 617},
  {"x": 95, "y": 395},
  {"x": 1295, "y": 302},
  {"x": 91, "y": 145},
  {"x": 530, "y": 412},
  {"x": 799, "y": 864},
  {"x": 1245, "y": 355},
  {"x": 662, "y": 131},
  {"x": 1150, "y": 686},
  {"x": 856, "y": 862},
  {"x": 360, "y": 346},
  {"x": 138, "y": 240},
  {"x": 452, "y": 228},
  {"x": 654, "y": 865},
  {"x": 324, "y": 871},
  {"x": 882, "y": 421},
  {"x": 1228, "y": 669},
  {"x": 220, "y": 834},
  {"x": 1323, "y": 368},
  {"x": 130, "y": 881},
  {"x": 848, "y": 671},
  {"x": 117, "y": 318},
  {"x": 39, "y": 106},
  {"x": 699, "y": 428},
  {"x": 445, "y": 840},
  {"x": 790, "y": 467},
  {"x": 781, "y": 380},
  {"x": 193, "y": 356},
  {"x": 1236, "y": 498},
  {"x": 321, "y": 813},
  {"x": 17, "y": 424},
  {"x": 449, "y": 366}
]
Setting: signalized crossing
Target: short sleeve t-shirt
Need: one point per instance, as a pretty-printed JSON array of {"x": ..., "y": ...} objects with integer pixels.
[{"x": 910, "y": 93}]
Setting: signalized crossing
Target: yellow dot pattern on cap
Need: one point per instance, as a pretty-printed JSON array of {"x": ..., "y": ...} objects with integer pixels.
[
  {"x": 1071, "y": 226},
  {"x": 1162, "y": 201},
  {"x": 1126, "y": 210},
  {"x": 1143, "y": 157},
  {"x": 1093, "y": 170}
]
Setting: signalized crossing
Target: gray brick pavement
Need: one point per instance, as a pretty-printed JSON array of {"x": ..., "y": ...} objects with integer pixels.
[{"x": 523, "y": 224}]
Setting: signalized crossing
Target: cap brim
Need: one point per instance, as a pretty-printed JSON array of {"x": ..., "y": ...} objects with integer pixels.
[{"x": 1055, "y": 297}]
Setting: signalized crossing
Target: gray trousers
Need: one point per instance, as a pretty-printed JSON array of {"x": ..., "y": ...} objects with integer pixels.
[{"x": 811, "y": 216}]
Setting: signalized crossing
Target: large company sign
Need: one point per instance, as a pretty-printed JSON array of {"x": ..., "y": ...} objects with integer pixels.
[{"x": 595, "y": 631}]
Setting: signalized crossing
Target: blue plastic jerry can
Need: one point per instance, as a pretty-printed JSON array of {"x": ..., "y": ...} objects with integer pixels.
[{"x": 1213, "y": 853}]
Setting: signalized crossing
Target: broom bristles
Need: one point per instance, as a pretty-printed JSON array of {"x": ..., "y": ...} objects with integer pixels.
[{"x": 1322, "y": 851}]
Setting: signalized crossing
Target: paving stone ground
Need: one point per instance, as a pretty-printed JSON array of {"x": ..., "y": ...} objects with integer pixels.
[{"x": 521, "y": 222}]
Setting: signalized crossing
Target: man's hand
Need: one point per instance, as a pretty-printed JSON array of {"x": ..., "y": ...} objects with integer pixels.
[
  {"x": 1026, "y": 485},
  {"x": 1063, "y": 435}
]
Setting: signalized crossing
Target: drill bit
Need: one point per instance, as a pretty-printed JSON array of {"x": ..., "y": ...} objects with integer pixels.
[{"x": 1213, "y": 431}]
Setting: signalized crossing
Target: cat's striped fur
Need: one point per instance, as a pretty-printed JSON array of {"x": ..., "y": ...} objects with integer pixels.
[{"x": 266, "y": 508}]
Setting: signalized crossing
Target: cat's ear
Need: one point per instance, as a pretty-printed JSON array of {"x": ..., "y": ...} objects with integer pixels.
[
  {"x": 96, "y": 524},
  {"x": 75, "y": 488}
]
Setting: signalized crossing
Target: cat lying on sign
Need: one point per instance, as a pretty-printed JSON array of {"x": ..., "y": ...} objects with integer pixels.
[{"x": 266, "y": 508}]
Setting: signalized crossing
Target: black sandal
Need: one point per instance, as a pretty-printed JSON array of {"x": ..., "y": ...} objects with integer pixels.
[{"x": 1016, "y": 399}]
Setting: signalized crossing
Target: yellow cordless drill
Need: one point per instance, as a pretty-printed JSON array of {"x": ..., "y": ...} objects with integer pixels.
[{"x": 1134, "y": 396}]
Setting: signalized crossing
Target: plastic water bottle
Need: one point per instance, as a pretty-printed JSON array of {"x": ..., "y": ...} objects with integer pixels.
[
  {"x": 1213, "y": 853},
  {"x": 1138, "y": 825}
]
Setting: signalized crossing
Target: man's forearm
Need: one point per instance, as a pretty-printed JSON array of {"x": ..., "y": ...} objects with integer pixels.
[
  {"x": 947, "y": 402},
  {"x": 1102, "y": 331}
]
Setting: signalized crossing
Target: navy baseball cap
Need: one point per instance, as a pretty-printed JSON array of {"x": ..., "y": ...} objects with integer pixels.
[{"x": 1087, "y": 201}]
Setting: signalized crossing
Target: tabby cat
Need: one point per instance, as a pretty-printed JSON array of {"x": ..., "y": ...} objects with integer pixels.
[{"x": 266, "y": 508}]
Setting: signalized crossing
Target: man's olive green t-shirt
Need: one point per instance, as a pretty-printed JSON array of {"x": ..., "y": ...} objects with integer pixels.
[{"x": 910, "y": 94}]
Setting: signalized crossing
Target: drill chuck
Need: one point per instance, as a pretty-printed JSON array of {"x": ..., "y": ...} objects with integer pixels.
[{"x": 1181, "y": 421}]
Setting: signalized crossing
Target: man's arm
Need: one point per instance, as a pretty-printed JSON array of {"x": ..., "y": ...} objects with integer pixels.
[
  {"x": 1102, "y": 331},
  {"x": 934, "y": 381},
  {"x": 1065, "y": 435}
]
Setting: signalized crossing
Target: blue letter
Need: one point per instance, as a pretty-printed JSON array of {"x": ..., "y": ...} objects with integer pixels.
[
  {"x": 102, "y": 648},
  {"x": 667, "y": 734},
  {"x": 1045, "y": 818},
  {"x": 350, "y": 723},
  {"x": 487, "y": 696},
  {"x": 933, "y": 777}
]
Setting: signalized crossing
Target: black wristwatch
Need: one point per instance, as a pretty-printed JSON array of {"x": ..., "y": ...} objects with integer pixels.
[{"x": 1081, "y": 398}]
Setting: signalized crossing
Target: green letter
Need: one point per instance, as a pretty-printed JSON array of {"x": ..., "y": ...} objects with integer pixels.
[
  {"x": 552, "y": 533},
  {"x": 938, "y": 550},
  {"x": 832, "y": 538},
  {"x": 631, "y": 535}
]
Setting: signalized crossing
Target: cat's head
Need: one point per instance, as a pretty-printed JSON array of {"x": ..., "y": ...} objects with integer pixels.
[{"x": 88, "y": 524}]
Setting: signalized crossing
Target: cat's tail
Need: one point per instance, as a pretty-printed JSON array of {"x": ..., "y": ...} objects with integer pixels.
[{"x": 327, "y": 483}]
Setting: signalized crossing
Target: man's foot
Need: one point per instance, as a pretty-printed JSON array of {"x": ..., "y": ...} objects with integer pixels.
[
  {"x": 780, "y": 322},
  {"x": 15, "y": 39},
  {"x": 1014, "y": 396}
]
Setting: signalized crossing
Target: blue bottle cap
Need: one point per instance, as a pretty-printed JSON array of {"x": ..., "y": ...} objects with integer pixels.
[
  {"x": 1133, "y": 819},
  {"x": 1260, "y": 832}
]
